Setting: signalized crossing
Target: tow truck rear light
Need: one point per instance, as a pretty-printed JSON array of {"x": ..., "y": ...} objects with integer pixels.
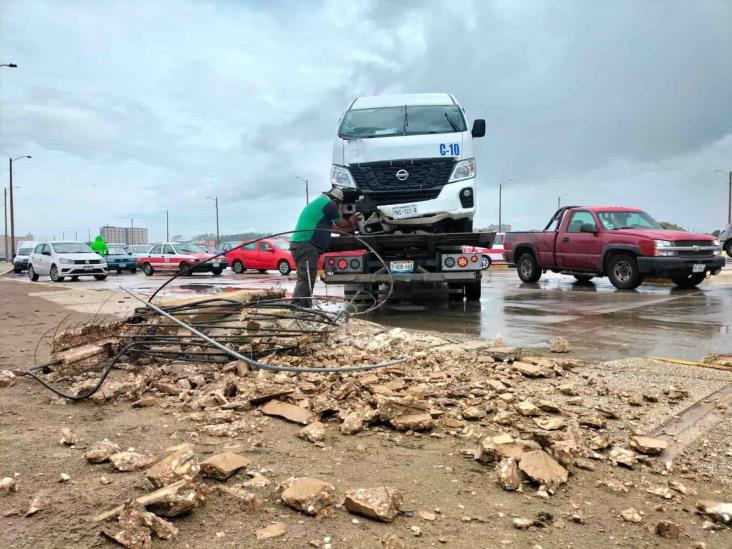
[
  {"x": 474, "y": 258},
  {"x": 460, "y": 262},
  {"x": 331, "y": 262},
  {"x": 348, "y": 264},
  {"x": 342, "y": 264}
]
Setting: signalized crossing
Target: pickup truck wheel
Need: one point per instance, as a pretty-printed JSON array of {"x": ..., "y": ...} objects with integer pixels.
[
  {"x": 238, "y": 267},
  {"x": 688, "y": 280},
  {"x": 528, "y": 268},
  {"x": 147, "y": 269},
  {"x": 485, "y": 261},
  {"x": 584, "y": 279},
  {"x": 623, "y": 272},
  {"x": 284, "y": 267}
]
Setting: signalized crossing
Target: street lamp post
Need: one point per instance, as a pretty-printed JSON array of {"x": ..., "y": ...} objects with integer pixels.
[
  {"x": 307, "y": 192},
  {"x": 167, "y": 226},
  {"x": 500, "y": 205},
  {"x": 216, "y": 201},
  {"x": 559, "y": 200},
  {"x": 729, "y": 197},
  {"x": 11, "y": 65},
  {"x": 12, "y": 216},
  {"x": 5, "y": 234}
]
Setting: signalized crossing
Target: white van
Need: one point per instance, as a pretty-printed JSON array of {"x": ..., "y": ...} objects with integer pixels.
[
  {"x": 20, "y": 262},
  {"x": 407, "y": 163}
]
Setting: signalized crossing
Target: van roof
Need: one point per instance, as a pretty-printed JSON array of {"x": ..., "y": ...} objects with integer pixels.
[{"x": 376, "y": 101}]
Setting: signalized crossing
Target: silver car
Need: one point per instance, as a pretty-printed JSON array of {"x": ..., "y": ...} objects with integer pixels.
[{"x": 725, "y": 237}]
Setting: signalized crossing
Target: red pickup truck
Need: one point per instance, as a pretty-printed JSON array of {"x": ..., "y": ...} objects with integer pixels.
[{"x": 624, "y": 244}]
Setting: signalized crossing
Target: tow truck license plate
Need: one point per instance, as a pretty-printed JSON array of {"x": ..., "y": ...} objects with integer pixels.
[
  {"x": 698, "y": 268},
  {"x": 404, "y": 212},
  {"x": 401, "y": 266}
]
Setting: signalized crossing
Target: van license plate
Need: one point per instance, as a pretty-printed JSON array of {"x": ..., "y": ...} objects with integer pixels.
[
  {"x": 698, "y": 268},
  {"x": 88, "y": 268},
  {"x": 397, "y": 267},
  {"x": 404, "y": 212}
]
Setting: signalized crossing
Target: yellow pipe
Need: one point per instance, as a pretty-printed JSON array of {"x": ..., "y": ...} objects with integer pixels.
[{"x": 690, "y": 363}]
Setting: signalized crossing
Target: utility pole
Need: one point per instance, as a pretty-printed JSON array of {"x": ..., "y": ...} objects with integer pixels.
[
  {"x": 88, "y": 234},
  {"x": 729, "y": 196},
  {"x": 76, "y": 235},
  {"x": 167, "y": 226},
  {"x": 217, "y": 221},
  {"x": 12, "y": 216},
  {"x": 500, "y": 191},
  {"x": 5, "y": 234},
  {"x": 307, "y": 192}
]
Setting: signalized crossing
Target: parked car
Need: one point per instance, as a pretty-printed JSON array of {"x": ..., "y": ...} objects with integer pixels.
[
  {"x": 265, "y": 255},
  {"x": 20, "y": 263},
  {"x": 489, "y": 256},
  {"x": 726, "y": 239},
  {"x": 139, "y": 249},
  {"x": 177, "y": 256},
  {"x": 61, "y": 259},
  {"x": 119, "y": 258},
  {"x": 624, "y": 244}
]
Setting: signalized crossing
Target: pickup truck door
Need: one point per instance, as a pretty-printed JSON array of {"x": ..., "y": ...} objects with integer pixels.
[{"x": 577, "y": 249}]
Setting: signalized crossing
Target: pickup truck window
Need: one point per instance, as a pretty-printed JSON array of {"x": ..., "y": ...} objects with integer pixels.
[
  {"x": 627, "y": 220},
  {"x": 578, "y": 219}
]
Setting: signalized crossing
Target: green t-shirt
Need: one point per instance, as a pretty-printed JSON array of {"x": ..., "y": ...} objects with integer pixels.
[{"x": 321, "y": 213}]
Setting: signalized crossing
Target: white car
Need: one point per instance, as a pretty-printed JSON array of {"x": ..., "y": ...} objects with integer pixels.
[{"x": 61, "y": 259}]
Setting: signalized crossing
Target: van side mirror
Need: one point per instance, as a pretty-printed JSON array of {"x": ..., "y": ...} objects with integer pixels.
[
  {"x": 588, "y": 228},
  {"x": 478, "y": 128}
]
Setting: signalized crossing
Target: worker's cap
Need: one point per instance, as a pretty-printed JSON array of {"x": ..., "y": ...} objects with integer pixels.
[{"x": 335, "y": 193}]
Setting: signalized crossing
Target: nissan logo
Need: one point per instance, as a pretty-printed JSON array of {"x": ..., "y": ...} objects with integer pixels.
[{"x": 402, "y": 175}]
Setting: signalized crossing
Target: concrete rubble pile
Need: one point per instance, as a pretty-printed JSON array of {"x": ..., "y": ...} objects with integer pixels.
[{"x": 532, "y": 420}]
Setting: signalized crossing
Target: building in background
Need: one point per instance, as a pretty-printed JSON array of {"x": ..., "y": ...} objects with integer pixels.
[{"x": 128, "y": 235}]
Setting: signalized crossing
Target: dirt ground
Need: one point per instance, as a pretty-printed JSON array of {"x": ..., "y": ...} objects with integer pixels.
[{"x": 471, "y": 510}]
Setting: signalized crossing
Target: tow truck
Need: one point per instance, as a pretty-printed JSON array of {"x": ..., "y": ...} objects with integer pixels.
[{"x": 407, "y": 164}]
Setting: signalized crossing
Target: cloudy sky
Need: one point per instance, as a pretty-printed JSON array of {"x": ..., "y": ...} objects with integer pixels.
[{"x": 129, "y": 108}]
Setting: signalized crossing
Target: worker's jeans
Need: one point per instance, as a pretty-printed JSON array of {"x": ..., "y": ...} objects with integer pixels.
[{"x": 306, "y": 258}]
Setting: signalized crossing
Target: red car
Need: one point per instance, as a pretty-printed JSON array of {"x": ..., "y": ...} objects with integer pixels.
[
  {"x": 176, "y": 256},
  {"x": 624, "y": 244},
  {"x": 266, "y": 255}
]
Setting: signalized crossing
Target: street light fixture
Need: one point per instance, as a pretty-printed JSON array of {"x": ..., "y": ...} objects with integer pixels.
[
  {"x": 11, "y": 65},
  {"x": 500, "y": 205},
  {"x": 559, "y": 200},
  {"x": 307, "y": 193},
  {"x": 216, "y": 200},
  {"x": 12, "y": 215},
  {"x": 729, "y": 197}
]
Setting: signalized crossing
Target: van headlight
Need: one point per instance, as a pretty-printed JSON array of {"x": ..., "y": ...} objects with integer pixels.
[
  {"x": 340, "y": 176},
  {"x": 65, "y": 261},
  {"x": 465, "y": 169},
  {"x": 660, "y": 248}
]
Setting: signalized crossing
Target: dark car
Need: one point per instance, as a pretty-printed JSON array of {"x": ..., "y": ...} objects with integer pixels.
[{"x": 119, "y": 258}]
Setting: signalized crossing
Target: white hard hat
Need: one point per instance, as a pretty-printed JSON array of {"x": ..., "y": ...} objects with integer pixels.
[{"x": 335, "y": 193}]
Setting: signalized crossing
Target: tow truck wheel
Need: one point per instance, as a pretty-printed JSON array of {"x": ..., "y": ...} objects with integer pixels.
[
  {"x": 583, "y": 279},
  {"x": 688, "y": 280},
  {"x": 472, "y": 291},
  {"x": 147, "y": 269},
  {"x": 238, "y": 267},
  {"x": 528, "y": 268},
  {"x": 485, "y": 261},
  {"x": 284, "y": 267},
  {"x": 622, "y": 270}
]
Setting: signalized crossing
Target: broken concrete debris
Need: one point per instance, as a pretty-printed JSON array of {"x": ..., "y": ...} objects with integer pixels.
[
  {"x": 8, "y": 484},
  {"x": 180, "y": 463},
  {"x": 508, "y": 474},
  {"x": 560, "y": 345},
  {"x": 7, "y": 378},
  {"x": 542, "y": 468},
  {"x": 309, "y": 495},
  {"x": 68, "y": 437},
  {"x": 130, "y": 461},
  {"x": 623, "y": 456},
  {"x": 222, "y": 466},
  {"x": 134, "y": 526},
  {"x": 648, "y": 445},
  {"x": 631, "y": 515},
  {"x": 667, "y": 529},
  {"x": 274, "y": 530},
  {"x": 381, "y": 503},
  {"x": 352, "y": 423},
  {"x": 289, "y": 412},
  {"x": 101, "y": 451},
  {"x": 315, "y": 432}
]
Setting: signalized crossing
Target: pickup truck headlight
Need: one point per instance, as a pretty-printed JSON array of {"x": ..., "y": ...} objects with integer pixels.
[
  {"x": 340, "y": 176},
  {"x": 718, "y": 244},
  {"x": 465, "y": 169},
  {"x": 660, "y": 248},
  {"x": 65, "y": 261}
]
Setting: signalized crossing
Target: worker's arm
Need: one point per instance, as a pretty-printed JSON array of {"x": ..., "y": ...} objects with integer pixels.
[{"x": 348, "y": 225}]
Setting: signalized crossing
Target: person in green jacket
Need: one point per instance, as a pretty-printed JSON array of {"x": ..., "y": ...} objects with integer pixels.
[{"x": 99, "y": 246}]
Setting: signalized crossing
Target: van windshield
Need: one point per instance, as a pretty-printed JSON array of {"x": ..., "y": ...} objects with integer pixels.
[
  {"x": 24, "y": 251},
  {"x": 391, "y": 121}
]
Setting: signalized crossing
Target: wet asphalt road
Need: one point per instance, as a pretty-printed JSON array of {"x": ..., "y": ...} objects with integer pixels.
[{"x": 598, "y": 320}]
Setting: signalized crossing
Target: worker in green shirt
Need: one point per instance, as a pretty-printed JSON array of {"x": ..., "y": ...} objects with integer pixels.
[
  {"x": 99, "y": 245},
  {"x": 312, "y": 239}
]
